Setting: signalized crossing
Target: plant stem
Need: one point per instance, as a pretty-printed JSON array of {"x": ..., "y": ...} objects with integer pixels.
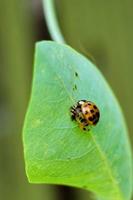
[{"x": 52, "y": 22}]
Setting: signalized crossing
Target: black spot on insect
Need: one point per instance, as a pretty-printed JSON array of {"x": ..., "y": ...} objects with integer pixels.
[
  {"x": 90, "y": 118},
  {"x": 92, "y": 111},
  {"x": 76, "y": 74},
  {"x": 84, "y": 129},
  {"x": 86, "y": 112},
  {"x": 95, "y": 122},
  {"x": 78, "y": 106},
  {"x": 83, "y": 120},
  {"x": 97, "y": 114},
  {"x": 94, "y": 117},
  {"x": 94, "y": 107}
]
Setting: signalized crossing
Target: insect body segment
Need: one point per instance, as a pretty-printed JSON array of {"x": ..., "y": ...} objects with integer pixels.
[{"x": 85, "y": 113}]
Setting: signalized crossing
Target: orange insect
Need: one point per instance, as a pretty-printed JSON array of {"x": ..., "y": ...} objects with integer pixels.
[{"x": 86, "y": 113}]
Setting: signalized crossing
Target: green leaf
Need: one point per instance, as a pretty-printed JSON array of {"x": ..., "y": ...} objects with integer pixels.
[{"x": 56, "y": 150}]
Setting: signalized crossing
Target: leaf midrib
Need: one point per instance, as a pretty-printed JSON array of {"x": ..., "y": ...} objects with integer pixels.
[{"x": 99, "y": 149}]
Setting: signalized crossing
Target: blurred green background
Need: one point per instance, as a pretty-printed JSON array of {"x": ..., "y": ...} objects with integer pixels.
[{"x": 101, "y": 30}]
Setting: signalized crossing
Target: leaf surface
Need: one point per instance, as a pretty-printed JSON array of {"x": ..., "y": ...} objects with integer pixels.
[{"x": 56, "y": 150}]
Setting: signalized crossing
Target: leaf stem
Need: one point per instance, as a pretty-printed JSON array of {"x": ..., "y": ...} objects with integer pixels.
[{"x": 52, "y": 21}]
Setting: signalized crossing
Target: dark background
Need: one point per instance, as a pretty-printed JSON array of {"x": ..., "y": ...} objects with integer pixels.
[{"x": 101, "y": 30}]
